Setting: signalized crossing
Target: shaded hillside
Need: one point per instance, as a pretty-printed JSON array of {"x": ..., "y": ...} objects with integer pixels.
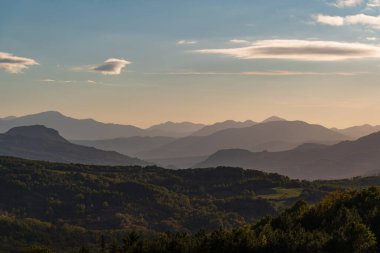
[
  {"x": 207, "y": 130},
  {"x": 274, "y": 136},
  {"x": 311, "y": 161},
  {"x": 41, "y": 143},
  {"x": 128, "y": 146}
]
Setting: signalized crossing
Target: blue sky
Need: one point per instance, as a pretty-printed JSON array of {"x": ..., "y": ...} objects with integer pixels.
[{"x": 143, "y": 62}]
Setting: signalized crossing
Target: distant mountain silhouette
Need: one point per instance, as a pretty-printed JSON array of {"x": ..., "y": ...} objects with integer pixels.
[
  {"x": 308, "y": 161},
  {"x": 272, "y": 119},
  {"x": 274, "y": 136},
  {"x": 85, "y": 129},
  {"x": 8, "y": 118},
  {"x": 181, "y": 128},
  {"x": 128, "y": 146},
  {"x": 41, "y": 143},
  {"x": 358, "y": 131},
  {"x": 207, "y": 130}
]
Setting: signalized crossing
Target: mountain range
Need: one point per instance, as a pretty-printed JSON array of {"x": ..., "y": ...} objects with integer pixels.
[
  {"x": 308, "y": 161},
  {"x": 271, "y": 136},
  {"x": 207, "y": 130},
  {"x": 181, "y": 145},
  {"x": 42, "y": 143},
  {"x": 356, "y": 132},
  {"x": 128, "y": 146},
  {"x": 89, "y": 129}
]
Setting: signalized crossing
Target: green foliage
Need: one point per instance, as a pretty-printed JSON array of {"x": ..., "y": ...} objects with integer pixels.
[
  {"x": 338, "y": 224},
  {"x": 81, "y": 208}
]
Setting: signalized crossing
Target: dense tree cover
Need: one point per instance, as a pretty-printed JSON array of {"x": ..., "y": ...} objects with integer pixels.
[
  {"x": 342, "y": 222},
  {"x": 65, "y": 206},
  {"x": 97, "y": 197}
]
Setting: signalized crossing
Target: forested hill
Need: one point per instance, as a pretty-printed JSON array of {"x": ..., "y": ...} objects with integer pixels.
[
  {"x": 343, "y": 222},
  {"x": 41, "y": 143},
  {"x": 65, "y": 206}
]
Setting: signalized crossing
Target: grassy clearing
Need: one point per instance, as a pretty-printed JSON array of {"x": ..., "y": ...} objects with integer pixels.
[{"x": 282, "y": 193}]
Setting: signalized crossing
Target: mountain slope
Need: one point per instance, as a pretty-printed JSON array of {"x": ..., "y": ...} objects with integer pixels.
[
  {"x": 273, "y": 119},
  {"x": 343, "y": 160},
  {"x": 71, "y": 128},
  {"x": 41, "y": 143},
  {"x": 274, "y": 136},
  {"x": 89, "y": 129},
  {"x": 128, "y": 146},
  {"x": 207, "y": 130},
  {"x": 358, "y": 131},
  {"x": 181, "y": 128}
]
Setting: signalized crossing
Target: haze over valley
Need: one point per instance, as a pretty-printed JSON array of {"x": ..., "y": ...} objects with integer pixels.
[{"x": 293, "y": 148}]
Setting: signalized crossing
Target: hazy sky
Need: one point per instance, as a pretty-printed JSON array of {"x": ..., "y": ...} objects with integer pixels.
[{"x": 142, "y": 62}]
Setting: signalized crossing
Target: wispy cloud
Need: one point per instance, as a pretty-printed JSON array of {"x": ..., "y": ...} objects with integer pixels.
[
  {"x": 295, "y": 73},
  {"x": 359, "y": 19},
  {"x": 237, "y": 41},
  {"x": 56, "y": 81},
  {"x": 264, "y": 73},
  {"x": 373, "y": 3},
  {"x": 300, "y": 50},
  {"x": 112, "y": 66},
  {"x": 348, "y": 3},
  {"x": 187, "y": 42},
  {"x": 15, "y": 64},
  {"x": 196, "y": 73},
  {"x": 75, "y": 82}
]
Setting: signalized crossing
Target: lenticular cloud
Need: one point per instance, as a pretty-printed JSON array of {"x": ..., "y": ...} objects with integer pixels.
[
  {"x": 112, "y": 66},
  {"x": 15, "y": 64},
  {"x": 301, "y": 50}
]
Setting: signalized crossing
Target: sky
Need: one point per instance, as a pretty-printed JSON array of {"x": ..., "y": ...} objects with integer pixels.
[{"x": 143, "y": 62}]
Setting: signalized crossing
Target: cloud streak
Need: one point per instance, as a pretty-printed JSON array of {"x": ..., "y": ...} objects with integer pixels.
[
  {"x": 359, "y": 19},
  {"x": 112, "y": 66},
  {"x": 238, "y": 41},
  {"x": 15, "y": 64},
  {"x": 264, "y": 73},
  {"x": 373, "y": 3},
  {"x": 80, "y": 82},
  {"x": 187, "y": 42},
  {"x": 299, "y": 50},
  {"x": 348, "y": 3},
  {"x": 295, "y": 73}
]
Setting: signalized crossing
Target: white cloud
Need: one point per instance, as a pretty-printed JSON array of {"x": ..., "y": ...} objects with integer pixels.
[
  {"x": 359, "y": 19},
  {"x": 371, "y": 38},
  {"x": 15, "y": 64},
  {"x": 373, "y": 3},
  {"x": 237, "y": 41},
  {"x": 187, "y": 42},
  {"x": 348, "y": 3},
  {"x": 301, "y": 50},
  {"x": 112, "y": 66},
  {"x": 329, "y": 20}
]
